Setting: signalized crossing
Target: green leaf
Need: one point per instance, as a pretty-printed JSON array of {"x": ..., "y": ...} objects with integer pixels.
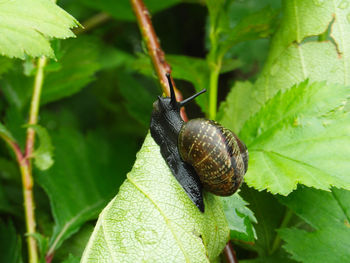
[
  {"x": 77, "y": 62},
  {"x": 17, "y": 87},
  {"x": 152, "y": 219},
  {"x": 77, "y": 65},
  {"x": 5, "y": 205},
  {"x": 138, "y": 96},
  {"x": 194, "y": 70},
  {"x": 43, "y": 154},
  {"x": 76, "y": 244},
  {"x": 239, "y": 218},
  {"x": 5, "y": 64},
  {"x": 330, "y": 239},
  {"x": 42, "y": 243},
  {"x": 235, "y": 110},
  {"x": 280, "y": 256},
  {"x": 293, "y": 59},
  {"x": 269, "y": 214},
  {"x": 71, "y": 259},
  {"x": 86, "y": 174},
  {"x": 11, "y": 197},
  {"x": 122, "y": 10},
  {"x": 294, "y": 56},
  {"x": 27, "y": 25},
  {"x": 257, "y": 25},
  {"x": 4, "y": 132},
  {"x": 10, "y": 244},
  {"x": 291, "y": 141}
]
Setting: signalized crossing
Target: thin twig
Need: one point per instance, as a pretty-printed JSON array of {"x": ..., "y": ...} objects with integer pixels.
[
  {"x": 25, "y": 163},
  {"x": 155, "y": 51},
  {"x": 230, "y": 254},
  {"x": 34, "y": 106}
]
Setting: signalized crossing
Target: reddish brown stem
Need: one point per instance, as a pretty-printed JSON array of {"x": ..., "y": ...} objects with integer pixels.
[
  {"x": 155, "y": 51},
  {"x": 230, "y": 254}
]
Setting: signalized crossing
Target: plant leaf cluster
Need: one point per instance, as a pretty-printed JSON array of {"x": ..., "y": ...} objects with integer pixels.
[{"x": 280, "y": 71}]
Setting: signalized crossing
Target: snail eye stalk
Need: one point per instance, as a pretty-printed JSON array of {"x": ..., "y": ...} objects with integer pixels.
[
  {"x": 172, "y": 94},
  {"x": 184, "y": 102}
]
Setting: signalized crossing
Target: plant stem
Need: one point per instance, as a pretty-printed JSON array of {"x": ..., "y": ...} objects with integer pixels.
[
  {"x": 277, "y": 241},
  {"x": 29, "y": 207},
  {"x": 213, "y": 91},
  {"x": 34, "y": 106},
  {"x": 155, "y": 51},
  {"x": 25, "y": 163},
  {"x": 214, "y": 61},
  {"x": 230, "y": 253}
]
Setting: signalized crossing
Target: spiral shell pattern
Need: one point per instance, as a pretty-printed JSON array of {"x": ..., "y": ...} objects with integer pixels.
[{"x": 218, "y": 156}]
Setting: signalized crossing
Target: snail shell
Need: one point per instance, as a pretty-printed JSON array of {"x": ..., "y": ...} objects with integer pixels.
[{"x": 218, "y": 156}]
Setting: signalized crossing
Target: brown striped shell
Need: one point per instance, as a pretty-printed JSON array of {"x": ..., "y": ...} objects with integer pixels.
[{"x": 219, "y": 158}]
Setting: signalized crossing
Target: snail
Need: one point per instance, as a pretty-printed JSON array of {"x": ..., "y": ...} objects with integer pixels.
[{"x": 200, "y": 153}]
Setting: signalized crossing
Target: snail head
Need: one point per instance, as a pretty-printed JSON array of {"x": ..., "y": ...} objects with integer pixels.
[{"x": 170, "y": 103}]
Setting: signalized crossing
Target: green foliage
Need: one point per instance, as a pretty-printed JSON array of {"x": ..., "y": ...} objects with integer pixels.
[
  {"x": 27, "y": 25},
  {"x": 74, "y": 69},
  {"x": 291, "y": 140},
  {"x": 166, "y": 227},
  {"x": 239, "y": 218},
  {"x": 83, "y": 178},
  {"x": 4, "y": 132},
  {"x": 10, "y": 243},
  {"x": 269, "y": 214},
  {"x": 121, "y": 9},
  {"x": 43, "y": 154},
  {"x": 330, "y": 238},
  {"x": 5, "y": 64},
  {"x": 72, "y": 259},
  {"x": 280, "y": 71},
  {"x": 78, "y": 61}
]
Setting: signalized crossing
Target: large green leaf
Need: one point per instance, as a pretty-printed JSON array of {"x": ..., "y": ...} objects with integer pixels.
[
  {"x": 257, "y": 25},
  {"x": 330, "y": 239},
  {"x": 294, "y": 56},
  {"x": 291, "y": 141},
  {"x": 152, "y": 219},
  {"x": 27, "y": 24},
  {"x": 292, "y": 60},
  {"x": 10, "y": 244},
  {"x": 122, "y": 10},
  {"x": 235, "y": 110},
  {"x": 86, "y": 174}
]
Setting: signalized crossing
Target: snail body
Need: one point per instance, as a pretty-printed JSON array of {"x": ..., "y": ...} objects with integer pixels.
[{"x": 200, "y": 153}]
